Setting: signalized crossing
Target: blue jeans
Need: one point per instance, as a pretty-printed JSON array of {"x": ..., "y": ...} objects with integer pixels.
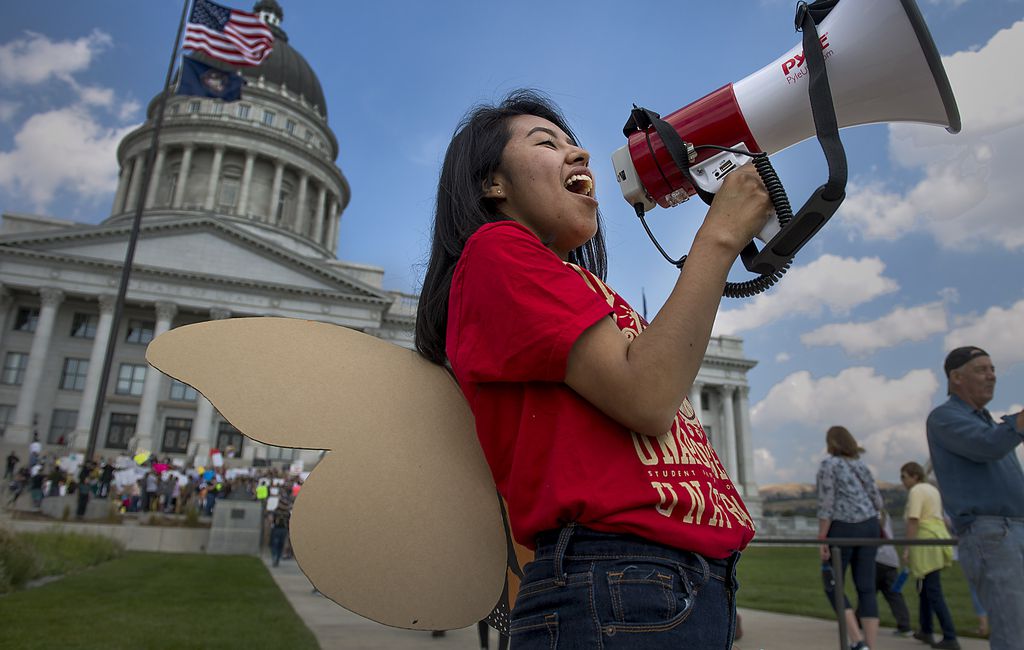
[
  {"x": 278, "y": 535},
  {"x": 932, "y": 602},
  {"x": 586, "y": 589},
  {"x": 992, "y": 556},
  {"x": 861, "y": 560}
]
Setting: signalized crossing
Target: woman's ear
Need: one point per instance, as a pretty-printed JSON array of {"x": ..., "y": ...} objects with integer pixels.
[{"x": 493, "y": 189}]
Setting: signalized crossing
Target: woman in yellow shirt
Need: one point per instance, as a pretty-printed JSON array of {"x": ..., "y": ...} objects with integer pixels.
[{"x": 924, "y": 521}]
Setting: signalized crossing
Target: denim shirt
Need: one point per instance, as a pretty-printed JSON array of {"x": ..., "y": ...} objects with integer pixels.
[
  {"x": 847, "y": 491},
  {"x": 975, "y": 462}
]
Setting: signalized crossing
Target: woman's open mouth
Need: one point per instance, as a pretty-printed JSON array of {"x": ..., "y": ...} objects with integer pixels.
[{"x": 580, "y": 184}]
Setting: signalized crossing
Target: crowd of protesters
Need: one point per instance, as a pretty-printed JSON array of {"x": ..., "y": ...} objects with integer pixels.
[{"x": 155, "y": 485}]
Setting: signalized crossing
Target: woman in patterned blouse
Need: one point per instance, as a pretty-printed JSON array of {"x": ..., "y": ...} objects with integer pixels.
[{"x": 848, "y": 506}]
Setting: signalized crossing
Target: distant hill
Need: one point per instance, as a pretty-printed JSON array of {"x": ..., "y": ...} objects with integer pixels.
[{"x": 801, "y": 499}]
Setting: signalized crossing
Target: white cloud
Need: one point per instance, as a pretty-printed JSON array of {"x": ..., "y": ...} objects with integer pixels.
[
  {"x": 998, "y": 331},
  {"x": 901, "y": 325},
  {"x": 128, "y": 109},
  {"x": 782, "y": 357},
  {"x": 857, "y": 398},
  {"x": 1013, "y": 410},
  {"x": 34, "y": 58},
  {"x": 967, "y": 196},
  {"x": 63, "y": 149},
  {"x": 765, "y": 469},
  {"x": 96, "y": 95},
  {"x": 887, "y": 416},
  {"x": 8, "y": 109},
  {"x": 835, "y": 283}
]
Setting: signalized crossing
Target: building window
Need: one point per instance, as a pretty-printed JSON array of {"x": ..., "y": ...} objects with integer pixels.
[
  {"x": 175, "y": 108},
  {"x": 230, "y": 183},
  {"x": 140, "y": 331},
  {"x": 193, "y": 107},
  {"x": 289, "y": 126},
  {"x": 309, "y": 135},
  {"x": 121, "y": 429},
  {"x": 268, "y": 118},
  {"x": 283, "y": 210},
  {"x": 218, "y": 108},
  {"x": 73, "y": 376},
  {"x": 27, "y": 319},
  {"x": 84, "y": 326},
  {"x": 182, "y": 392},
  {"x": 243, "y": 111},
  {"x": 229, "y": 440},
  {"x": 176, "y": 434},
  {"x": 281, "y": 453},
  {"x": 14, "y": 368},
  {"x": 170, "y": 182},
  {"x": 61, "y": 425},
  {"x": 228, "y": 196},
  {"x": 130, "y": 379},
  {"x": 6, "y": 415}
]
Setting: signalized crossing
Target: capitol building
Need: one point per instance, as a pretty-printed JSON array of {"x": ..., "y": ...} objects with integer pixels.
[{"x": 241, "y": 218}]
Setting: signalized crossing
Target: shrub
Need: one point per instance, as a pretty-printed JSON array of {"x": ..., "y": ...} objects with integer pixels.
[
  {"x": 18, "y": 562},
  {"x": 60, "y": 552}
]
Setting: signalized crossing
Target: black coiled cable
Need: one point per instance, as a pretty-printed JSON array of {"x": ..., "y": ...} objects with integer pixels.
[{"x": 783, "y": 212}]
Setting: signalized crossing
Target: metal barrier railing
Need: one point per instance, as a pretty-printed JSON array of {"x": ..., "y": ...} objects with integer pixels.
[{"x": 835, "y": 544}]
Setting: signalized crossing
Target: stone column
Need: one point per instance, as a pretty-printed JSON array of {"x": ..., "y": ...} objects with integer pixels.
[
  {"x": 5, "y": 308},
  {"x": 135, "y": 186},
  {"x": 746, "y": 445},
  {"x": 80, "y": 437},
  {"x": 332, "y": 236},
  {"x": 154, "y": 180},
  {"x": 202, "y": 427},
  {"x": 243, "y": 199},
  {"x": 122, "y": 188},
  {"x": 275, "y": 191},
  {"x": 729, "y": 434},
  {"x": 695, "y": 391},
  {"x": 20, "y": 430},
  {"x": 318, "y": 221},
  {"x": 211, "y": 189},
  {"x": 145, "y": 428},
  {"x": 179, "y": 187},
  {"x": 300, "y": 205}
]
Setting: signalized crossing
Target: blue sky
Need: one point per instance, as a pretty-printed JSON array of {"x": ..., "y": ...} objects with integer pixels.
[{"x": 925, "y": 255}]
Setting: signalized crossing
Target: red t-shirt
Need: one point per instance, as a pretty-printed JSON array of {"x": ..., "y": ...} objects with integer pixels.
[{"x": 515, "y": 311}]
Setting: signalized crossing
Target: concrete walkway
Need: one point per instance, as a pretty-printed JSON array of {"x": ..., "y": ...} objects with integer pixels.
[{"x": 336, "y": 627}]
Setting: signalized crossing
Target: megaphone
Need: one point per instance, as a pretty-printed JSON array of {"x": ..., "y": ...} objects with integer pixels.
[{"x": 882, "y": 66}]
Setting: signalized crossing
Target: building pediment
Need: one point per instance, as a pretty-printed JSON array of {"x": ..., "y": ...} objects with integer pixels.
[{"x": 198, "y": 246}]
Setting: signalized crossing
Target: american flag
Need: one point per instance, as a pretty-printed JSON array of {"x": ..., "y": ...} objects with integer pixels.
[{"x": 228, "y": 35}]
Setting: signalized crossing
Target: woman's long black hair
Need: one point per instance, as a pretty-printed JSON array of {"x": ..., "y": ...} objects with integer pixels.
[{"x": 473, "y": 155}]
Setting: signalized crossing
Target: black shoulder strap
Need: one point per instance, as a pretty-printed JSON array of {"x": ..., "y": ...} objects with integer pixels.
[{"x": 825, "y": 201}]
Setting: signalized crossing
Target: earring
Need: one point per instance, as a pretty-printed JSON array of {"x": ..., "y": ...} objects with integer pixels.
[{"x": 498, "y": 191}]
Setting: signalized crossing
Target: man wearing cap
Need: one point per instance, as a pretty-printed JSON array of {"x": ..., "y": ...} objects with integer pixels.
[{"x": 982, "y": 487}]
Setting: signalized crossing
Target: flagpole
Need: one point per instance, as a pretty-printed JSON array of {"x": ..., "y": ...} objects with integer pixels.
[{"x": 126, "y": 269}]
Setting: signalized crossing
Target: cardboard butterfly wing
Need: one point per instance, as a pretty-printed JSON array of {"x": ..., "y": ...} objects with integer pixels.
[{"x": 400, "y": 522}]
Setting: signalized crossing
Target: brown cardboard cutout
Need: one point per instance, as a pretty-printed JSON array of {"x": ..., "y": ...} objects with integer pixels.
[{"x": 400, "y": 522}]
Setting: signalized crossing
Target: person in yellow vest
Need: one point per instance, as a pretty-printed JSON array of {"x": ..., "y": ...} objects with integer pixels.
[{"x": 924, "y": 521}]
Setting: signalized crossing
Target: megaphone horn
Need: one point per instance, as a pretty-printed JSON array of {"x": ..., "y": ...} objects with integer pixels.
[{"x": 882, "y": 66}]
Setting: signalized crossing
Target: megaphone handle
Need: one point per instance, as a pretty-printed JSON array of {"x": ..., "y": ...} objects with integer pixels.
[{"x": 778, "y": 252}]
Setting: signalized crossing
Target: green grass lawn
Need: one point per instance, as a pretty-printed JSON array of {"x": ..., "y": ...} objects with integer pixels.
[
  {"x": 156, "y": 600},
  {"x": 788, "y": 580}
]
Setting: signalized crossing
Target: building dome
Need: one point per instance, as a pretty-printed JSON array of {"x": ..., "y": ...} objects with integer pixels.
[{"x": 286, "y": 67}]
